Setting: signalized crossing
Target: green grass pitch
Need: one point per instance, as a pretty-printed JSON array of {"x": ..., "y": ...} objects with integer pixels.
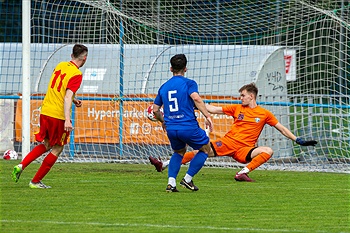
[{"x": 103, "y": 197}]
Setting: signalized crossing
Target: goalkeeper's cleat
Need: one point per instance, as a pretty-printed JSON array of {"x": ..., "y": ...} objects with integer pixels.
[
  {"x": 16, "y": 173},
  {"x": 39, "y": 185},
  {"x": 243, "y": 177},
  {"x": 190, "y": 185},
  {"x": 157, "y": 163},
  {"x": 171, "y": 189}
]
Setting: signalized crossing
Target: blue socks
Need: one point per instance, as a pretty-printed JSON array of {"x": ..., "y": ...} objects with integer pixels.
[
  {"x": 174, "y": 165},
  {"x": 197, "y": 163}
]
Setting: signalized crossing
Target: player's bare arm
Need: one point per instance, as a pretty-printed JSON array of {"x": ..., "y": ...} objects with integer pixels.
[
  {"x": 68, "y": 99},
  {"x": 157, "y": 113},
  {"x": 159, "y": 116},
  {"x": 286, "y": 132},
  {"x": 201, "y": 107},
  {"x": 214, "y": 109}
]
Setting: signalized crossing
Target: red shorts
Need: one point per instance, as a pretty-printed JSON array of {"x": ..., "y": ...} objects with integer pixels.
[
  {"x": 53, "y": 130},
  {"x": 227, "y": 147}
]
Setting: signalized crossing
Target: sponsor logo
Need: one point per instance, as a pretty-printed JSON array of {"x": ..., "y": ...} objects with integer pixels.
[{"x": 218, "y": 143}]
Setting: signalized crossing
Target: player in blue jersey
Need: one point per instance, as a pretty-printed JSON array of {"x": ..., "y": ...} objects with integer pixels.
[{"x": 179, "y": 97}]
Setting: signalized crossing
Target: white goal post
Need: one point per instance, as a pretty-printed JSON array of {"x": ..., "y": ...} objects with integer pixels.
[{"x": 296, "y": 51}]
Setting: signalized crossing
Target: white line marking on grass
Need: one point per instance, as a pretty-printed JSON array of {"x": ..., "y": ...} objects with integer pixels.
[
  {"x": 156, "y": 226},
  {"x": 301, "y": 188}
]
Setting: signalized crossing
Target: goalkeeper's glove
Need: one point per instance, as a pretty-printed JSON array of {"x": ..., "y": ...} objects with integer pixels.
[{"x": 302, "y": 142}]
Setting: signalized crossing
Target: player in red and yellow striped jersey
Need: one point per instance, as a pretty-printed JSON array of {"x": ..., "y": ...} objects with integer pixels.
[
  {"x": 55, "y": 115},
  {"x": 240, "y": 142}
]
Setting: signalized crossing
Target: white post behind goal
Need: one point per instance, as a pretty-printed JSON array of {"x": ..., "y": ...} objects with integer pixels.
[
  {"x": 228, "y": 44},
  {"x": 26, "y": 77}
]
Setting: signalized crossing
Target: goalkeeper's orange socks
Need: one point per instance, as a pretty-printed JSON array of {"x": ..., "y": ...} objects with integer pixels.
[
  {"x": 258, "y": 160},
  {"x": 33, "y": 155},
  {"x": 188, "y": 156},
  {"x": 45, "y": 167}
]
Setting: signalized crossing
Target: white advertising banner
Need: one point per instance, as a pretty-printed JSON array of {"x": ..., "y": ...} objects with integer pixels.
[
  {"x": 6, "y": 124},
  {"x": 291, "y": 67}
]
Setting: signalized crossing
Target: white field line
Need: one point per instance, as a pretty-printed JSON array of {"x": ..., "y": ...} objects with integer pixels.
[{"x": 154, "y": 226}]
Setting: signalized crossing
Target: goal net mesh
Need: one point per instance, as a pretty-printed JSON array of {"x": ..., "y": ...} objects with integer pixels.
[{"x": 296, "y": 51}]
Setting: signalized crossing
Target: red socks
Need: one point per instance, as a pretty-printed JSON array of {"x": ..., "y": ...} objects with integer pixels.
[
  {"x": 258, "y": 160},
  {"x": 45, "y": 167},
  {"x": 33, "y": 155}
]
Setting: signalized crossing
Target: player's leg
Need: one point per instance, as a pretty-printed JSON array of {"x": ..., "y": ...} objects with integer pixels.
[
  {"x": 226, "y": 147},
  {"x": 198, "y": 141},
  {"x": 36, "y": 152},
  {"x": 196, "y": 164},
  {"x": 57, "y": 137},
  {"x": 255, "y": 158},
  {"x": 179, "y": 148},
  {"x": 259, "y": 155},
  {"x": 31, "y": 156},
  {"x": 173, "y": 171},
  {"x": 45, "y": 167},
  {"x": 162, "y": 165},
  {"x": 188, "y": 156}
]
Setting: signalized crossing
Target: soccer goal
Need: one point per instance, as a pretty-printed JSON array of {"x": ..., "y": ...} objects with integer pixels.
[{"x": 297, "y": 52}]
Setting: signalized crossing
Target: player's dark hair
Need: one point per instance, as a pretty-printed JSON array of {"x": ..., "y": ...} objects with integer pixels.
[
  {"x": 79, "y": 50},
  {"x": 178, "y": 62},
  {"x": 250, "y": 88}
]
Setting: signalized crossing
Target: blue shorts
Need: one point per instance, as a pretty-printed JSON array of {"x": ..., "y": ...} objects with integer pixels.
[{"x": 195, "y": 138}]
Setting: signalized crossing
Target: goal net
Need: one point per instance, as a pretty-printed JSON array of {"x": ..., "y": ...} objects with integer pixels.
[{"x": 297, "y": 52}]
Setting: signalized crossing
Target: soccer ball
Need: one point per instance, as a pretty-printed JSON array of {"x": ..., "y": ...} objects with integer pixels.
[
  {"x": 150, "y": 114},
  {"x": 10, "y": 155}
]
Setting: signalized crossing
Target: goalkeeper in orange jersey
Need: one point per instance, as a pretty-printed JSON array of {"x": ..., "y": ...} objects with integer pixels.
[
  {"x": 240, "y": 142},
  {"x": 55, "y": 116}
]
